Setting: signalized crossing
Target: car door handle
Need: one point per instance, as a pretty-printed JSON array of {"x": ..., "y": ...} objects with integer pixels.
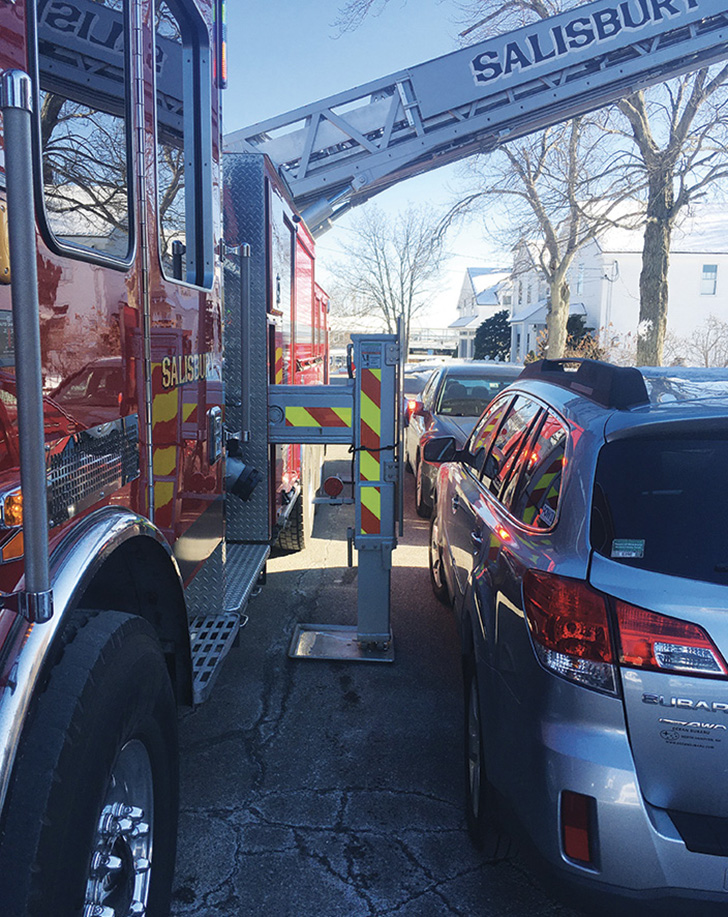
[{"x": 477, "y": 538}]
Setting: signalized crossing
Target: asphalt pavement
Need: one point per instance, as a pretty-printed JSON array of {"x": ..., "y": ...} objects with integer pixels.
[{"x": 324, "y": 789}]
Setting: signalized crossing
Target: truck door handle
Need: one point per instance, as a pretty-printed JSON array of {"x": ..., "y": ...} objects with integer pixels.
[
  {"x": 477, "y": 538},
  {"x": 455, "y": 503}
]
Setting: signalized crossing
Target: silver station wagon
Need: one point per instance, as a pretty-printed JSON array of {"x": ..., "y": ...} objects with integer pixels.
[{"x": 582, "y": 537}]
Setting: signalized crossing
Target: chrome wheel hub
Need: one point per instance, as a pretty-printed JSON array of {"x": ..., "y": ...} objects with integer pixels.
[{"x": 120, "y": 868}]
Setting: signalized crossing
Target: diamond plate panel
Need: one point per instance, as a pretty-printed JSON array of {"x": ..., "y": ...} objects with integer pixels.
[
  {"x": 244, "y": 223},
  {"x": 205, "y": 592},
  {"x": 242, "y": 568}
]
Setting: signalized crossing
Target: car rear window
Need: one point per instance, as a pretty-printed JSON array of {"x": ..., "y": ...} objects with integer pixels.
[
  {"x": 465, "y": 396},
  {"x": 662, "y": 505}
]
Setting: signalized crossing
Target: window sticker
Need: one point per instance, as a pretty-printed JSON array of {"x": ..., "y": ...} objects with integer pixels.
[{"x": 628, "y": 547}]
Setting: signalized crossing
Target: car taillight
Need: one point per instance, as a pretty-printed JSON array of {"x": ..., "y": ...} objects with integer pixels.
[
  {"x": 653, "y": 641},
  {"x": 569, "y": 624}
]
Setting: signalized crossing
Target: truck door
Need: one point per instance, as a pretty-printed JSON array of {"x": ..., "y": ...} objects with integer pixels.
[{"x": 185, "y": 346}]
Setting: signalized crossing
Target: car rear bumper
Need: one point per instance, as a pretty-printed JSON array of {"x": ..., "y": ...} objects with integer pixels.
[{"x": 638, "y": 852}]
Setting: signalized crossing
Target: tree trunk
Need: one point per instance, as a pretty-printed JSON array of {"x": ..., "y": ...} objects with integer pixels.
[
  {"x": 653, "y": 277},
  {"x": 558, "y": 315}
]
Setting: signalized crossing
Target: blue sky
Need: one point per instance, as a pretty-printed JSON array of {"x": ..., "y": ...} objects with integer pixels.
[{"x": 284, "y": 53}]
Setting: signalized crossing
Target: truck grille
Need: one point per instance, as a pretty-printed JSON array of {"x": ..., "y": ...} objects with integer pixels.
[{"x": 88, "y": 466}]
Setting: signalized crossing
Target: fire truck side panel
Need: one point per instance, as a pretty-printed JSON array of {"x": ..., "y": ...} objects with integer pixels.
[
  {"x": 128, "y": 347},
  {"x": 247, "y": 338}
]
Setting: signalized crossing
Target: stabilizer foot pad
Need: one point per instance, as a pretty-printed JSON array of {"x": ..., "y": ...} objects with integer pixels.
[{"x": 331, "y": 641}]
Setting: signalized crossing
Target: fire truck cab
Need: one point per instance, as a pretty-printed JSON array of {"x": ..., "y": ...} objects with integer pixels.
[{"x": 161, "y": 502}]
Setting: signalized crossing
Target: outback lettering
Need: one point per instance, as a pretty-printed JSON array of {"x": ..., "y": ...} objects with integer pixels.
[{"x": 579, "y": 32}]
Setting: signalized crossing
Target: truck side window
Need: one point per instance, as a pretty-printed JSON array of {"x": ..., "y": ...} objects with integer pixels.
[
  {"x": 83, "y": 125},
  {"x": 183, "y": 107}
]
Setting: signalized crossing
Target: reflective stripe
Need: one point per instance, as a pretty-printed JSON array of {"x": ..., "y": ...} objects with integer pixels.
[
  {"x": 297, "y": 416},
  {"x": 371, "y": 510},
  {"x": 165, "y": 461}
]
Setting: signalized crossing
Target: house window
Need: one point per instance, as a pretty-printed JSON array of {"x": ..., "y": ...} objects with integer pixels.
[
  {"x": 520, "y": 292},
  {"x": 528, "y": 293},
  {"x": 709, "y": 281},
  {"x": 580, "y": 280}
]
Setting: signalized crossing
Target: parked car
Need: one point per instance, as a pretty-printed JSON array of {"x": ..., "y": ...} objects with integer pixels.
[
  {"x": 580, "y": 535},
  {"x": 452, "y": 400},
  {"x": 412, "y": 385}
]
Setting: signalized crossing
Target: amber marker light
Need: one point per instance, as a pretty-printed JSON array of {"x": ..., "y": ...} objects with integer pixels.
[
  {"x": 503, "y": 533},
  {"x": 13, "y": 509}
]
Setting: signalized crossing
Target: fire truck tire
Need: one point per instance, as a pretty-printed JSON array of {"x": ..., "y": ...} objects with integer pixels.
[
  {"x": 293, "y": 537},
  {"x": 92, "y": 809},
  {"x": 299, "y": 528}
]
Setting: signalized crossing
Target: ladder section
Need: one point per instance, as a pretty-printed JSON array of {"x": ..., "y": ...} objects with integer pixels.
[{"x": 344, "y": 149}]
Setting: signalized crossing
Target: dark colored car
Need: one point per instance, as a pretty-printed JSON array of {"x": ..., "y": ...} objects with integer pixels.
[
  {"x": 452, "y": 400},
  {"x": 580, "y": 535}
]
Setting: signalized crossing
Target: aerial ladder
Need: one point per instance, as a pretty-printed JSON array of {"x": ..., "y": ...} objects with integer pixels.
[{"x": 342, "y": 150}]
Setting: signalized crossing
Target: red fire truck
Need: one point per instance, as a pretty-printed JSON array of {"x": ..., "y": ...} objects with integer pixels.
[
  {"x": 141, "y": 486},
  {"x": 146, "y": 567}
]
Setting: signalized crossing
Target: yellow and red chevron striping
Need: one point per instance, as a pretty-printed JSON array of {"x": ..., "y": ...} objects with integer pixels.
[
  {"x": 370, "y": 425},
  {"x": 371, "y": 511},
  {"x": 317, "y": 417}
]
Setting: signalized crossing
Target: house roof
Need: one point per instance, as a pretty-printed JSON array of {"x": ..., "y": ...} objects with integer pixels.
[
  {"x": 535, "y": 313},
  {"x": 486, "y": 282},
  {"x": 466, "y": 321}
]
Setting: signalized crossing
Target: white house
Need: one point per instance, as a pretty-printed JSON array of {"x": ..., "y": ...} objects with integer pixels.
[
  {"x": 604, "y": 284},
  {"x": 485, "y": 291}
]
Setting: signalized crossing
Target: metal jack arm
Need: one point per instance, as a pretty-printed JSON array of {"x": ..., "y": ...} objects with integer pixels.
[{"x": 36, "y": 602}]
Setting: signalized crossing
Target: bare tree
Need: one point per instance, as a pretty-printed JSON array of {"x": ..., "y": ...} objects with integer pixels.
[
  {"x": 390, "y": 266},
  {"x": 706, "y": 346},
  {"x": 551, "y": 181},
  {"x": 679, "y": 132}
]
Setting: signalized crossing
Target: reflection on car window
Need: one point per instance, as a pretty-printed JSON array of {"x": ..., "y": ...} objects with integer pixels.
[
  {"x": 507, "y": 443},
  {"x": 484, "y": 433},
  {"x": 535, "y": 496}
]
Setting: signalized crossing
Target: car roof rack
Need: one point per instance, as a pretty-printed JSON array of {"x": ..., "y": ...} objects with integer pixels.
[{"x": 619, "y": 387}]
